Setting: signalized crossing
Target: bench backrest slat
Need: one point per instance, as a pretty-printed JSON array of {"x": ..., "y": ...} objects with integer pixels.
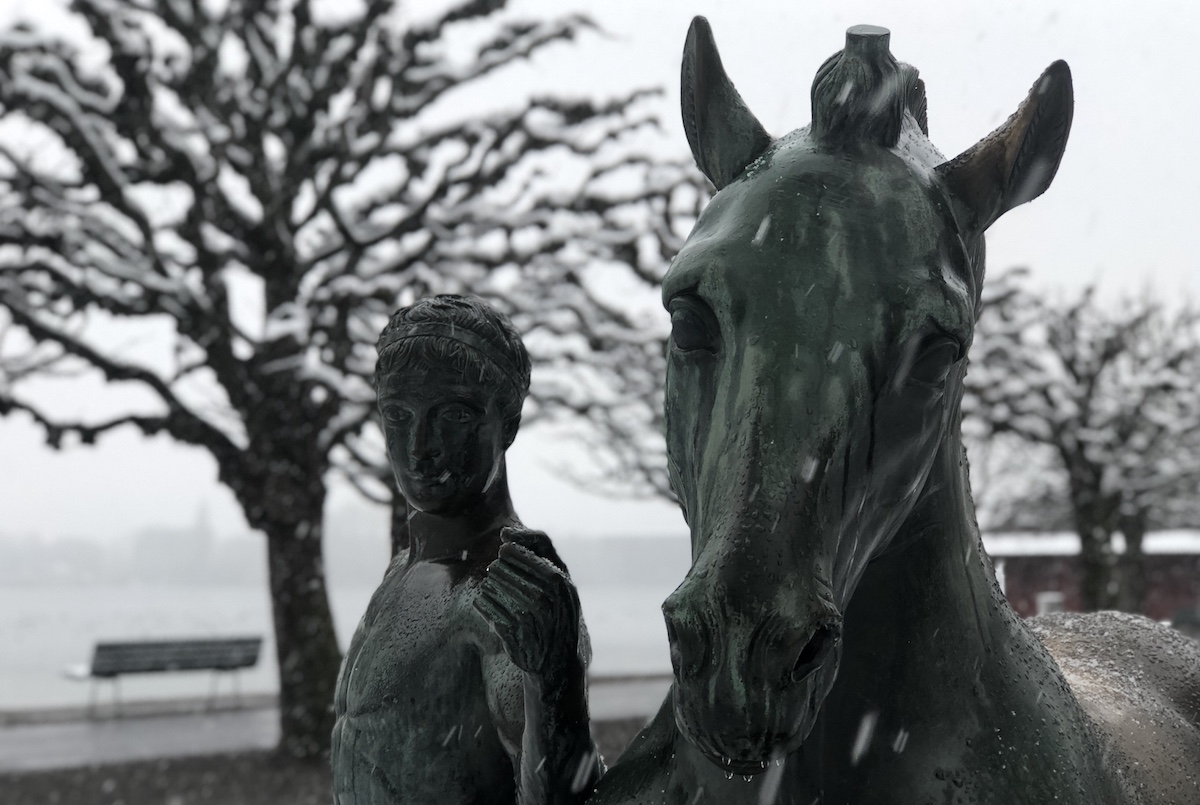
[{"x": 112, "y": 659}]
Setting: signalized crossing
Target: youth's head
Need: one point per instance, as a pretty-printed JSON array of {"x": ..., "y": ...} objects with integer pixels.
[{"x": 451, "y": 378}]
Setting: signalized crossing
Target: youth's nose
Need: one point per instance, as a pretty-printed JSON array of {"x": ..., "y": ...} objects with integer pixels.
[{"x": 424, "y": 442}]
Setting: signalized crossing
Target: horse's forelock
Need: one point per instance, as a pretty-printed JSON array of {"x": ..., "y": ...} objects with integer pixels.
[{"x": 862, "y": 95}]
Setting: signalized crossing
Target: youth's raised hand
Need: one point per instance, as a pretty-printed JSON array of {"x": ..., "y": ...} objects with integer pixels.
[
  {"x": 530, "y": 605},
  {"x": 533, "y": 608}
]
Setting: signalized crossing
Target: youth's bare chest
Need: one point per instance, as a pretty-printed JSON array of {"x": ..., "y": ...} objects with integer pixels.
[{"x": 420, "y": 646}]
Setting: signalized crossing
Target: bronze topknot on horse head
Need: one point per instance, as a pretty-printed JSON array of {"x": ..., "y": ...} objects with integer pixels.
[
  {"x": 861, "y": 93},
  {"x": 821, "y": 312}
]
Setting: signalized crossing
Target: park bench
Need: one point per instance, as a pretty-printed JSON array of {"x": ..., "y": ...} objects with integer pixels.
[{"x": 112, "y": 660}]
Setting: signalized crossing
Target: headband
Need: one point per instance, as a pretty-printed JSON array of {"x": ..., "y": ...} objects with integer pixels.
[{"x": 453, "y": 332}]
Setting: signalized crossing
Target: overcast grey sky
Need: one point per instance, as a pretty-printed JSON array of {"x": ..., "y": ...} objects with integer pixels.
[{"x": 1123, "y": 210}]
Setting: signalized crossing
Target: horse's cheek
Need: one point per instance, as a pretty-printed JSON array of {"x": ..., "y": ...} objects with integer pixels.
[{"x": 687, "y": 407}]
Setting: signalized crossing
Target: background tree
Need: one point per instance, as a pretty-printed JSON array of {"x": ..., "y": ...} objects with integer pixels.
[
  {"x": 1016, "y": 485},
  {"x": 219, "y": 204},
  {"x": 1110, "y": 390}
]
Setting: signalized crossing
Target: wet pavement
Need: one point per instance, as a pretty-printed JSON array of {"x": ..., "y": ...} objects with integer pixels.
[{"x": 143, "y": 731}]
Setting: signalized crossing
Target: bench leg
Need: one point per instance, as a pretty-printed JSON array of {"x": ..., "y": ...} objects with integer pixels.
[
  {"x": 211, "y": 704},
  {"x": 93, "y": 708},
  {"x": 235, "y": 680}
]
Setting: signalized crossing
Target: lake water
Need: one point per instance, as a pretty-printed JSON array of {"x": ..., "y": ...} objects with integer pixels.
[{"x": 45, "y": 629}]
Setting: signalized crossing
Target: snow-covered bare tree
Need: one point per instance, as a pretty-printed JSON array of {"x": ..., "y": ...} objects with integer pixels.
[
  {"x": 1110, "y": 390},
  {"x": 1016, "y": 485},
  {"x": 219, "y": 203}
]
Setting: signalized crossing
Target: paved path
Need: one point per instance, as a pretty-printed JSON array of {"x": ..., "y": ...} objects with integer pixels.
[
  {"x": 85, "y": 743},
  {"x": 612, "y": 699},
  {"x": 65, "y": 743}
]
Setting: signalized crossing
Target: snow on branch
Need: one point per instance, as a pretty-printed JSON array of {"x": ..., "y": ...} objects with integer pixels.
[
  {"x": 1108, "y": 389},
  {"x": 275, "y": 180}
]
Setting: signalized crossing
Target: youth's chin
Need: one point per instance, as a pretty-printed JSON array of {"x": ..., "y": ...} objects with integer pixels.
[
  {"x": 441, "y": 498},
  {"x": 448, "y": 502}
]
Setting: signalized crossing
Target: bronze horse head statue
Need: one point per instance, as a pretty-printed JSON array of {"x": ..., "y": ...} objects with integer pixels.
[
  {"x": 821, "y": 310},
  {"x": 840, "y": 636}
]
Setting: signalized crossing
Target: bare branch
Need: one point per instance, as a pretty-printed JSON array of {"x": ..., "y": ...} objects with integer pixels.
[
  {"x": 1110, "y": 390},
  {"x": 87, "y": 432}
]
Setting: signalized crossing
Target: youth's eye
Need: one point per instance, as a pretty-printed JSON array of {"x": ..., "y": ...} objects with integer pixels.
[
  {"x": 932, "y": 363},
  {"x": 458, "y": 414},
  {"x": 693, "y": 325},
  {"x": 395, "y": 414}
]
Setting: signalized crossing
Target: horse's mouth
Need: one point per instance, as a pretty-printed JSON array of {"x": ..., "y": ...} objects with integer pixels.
[
  {"x": 745, "y": 768},
  {"x": 747, "y": 762},
  {"x": 753, "y": 755}
]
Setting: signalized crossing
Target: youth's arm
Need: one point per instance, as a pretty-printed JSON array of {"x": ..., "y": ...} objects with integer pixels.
[{"x": 533, "y": 608}]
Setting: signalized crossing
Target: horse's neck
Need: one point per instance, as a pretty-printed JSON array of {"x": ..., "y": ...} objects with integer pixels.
[
  {"x": 928, "y": 637},
  {"x": 934, "y": 573}
]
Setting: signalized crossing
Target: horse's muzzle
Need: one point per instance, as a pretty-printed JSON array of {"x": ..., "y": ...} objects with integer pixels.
[
  {"x": 749, "y": 680},
  {"x": 749, "y": 744}
]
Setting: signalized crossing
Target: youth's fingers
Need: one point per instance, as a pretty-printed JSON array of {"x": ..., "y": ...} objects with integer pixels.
[
  {"x": 552, "y": 612},
  {"x": 531, "y": 559},
  {"x": 521, "y": 594},
  {"x": 497, "y": 614},
  {"x": 525, "y": 537},
  {"x": 514, "y": 571},
  {"x": 514, "y": 633},
  {"x": 532, "y": 570},
  {"x": 525, "y": 557},
  {"x": 538, "y": 570},
  {"x": 521, "y": 608}
]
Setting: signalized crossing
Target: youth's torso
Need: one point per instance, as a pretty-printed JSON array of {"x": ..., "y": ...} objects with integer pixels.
[{"x": 413, "y": 717}]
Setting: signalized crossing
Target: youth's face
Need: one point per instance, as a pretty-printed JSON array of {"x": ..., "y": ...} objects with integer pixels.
[{"x": 445, "y": 437}]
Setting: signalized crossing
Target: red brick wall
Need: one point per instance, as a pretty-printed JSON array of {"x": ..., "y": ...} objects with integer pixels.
[{"x": 1173, "y": 582}]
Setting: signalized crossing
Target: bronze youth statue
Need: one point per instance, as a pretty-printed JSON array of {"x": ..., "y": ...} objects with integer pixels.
[{"x": 465, "y": 681}]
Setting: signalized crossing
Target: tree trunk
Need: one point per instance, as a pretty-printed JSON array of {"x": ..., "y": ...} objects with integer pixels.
[
  {"x": 1133, "y": 564},
  {"x": 305, "y": 642},
  {"x": 1099, "y": 582},
  {"x": 1095, "y": 515}
]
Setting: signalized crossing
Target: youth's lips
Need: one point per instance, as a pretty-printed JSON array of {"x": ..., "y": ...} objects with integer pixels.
[
  {"x": 429, "y": 484},
  {"x": 429, "y": 477}
]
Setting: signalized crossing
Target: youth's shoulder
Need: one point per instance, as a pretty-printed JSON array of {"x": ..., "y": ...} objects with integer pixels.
[{"x": 395, "y": 568}]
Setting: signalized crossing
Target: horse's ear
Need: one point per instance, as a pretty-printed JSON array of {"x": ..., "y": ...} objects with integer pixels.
[
  {"x": 1016, "y": 162},
  {"x": 724, "y": 134}
]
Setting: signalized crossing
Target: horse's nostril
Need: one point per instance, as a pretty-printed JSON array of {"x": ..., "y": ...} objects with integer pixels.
[
  {"x": 814, "y": 653},
  {"x": 673, "y": 644},
  {"x": 689, "y": 645}
]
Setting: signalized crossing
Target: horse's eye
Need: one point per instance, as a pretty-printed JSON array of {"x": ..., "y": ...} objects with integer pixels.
[
  {"x": 693, "y": 325},
  {"x": 933, "y": 361}
]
